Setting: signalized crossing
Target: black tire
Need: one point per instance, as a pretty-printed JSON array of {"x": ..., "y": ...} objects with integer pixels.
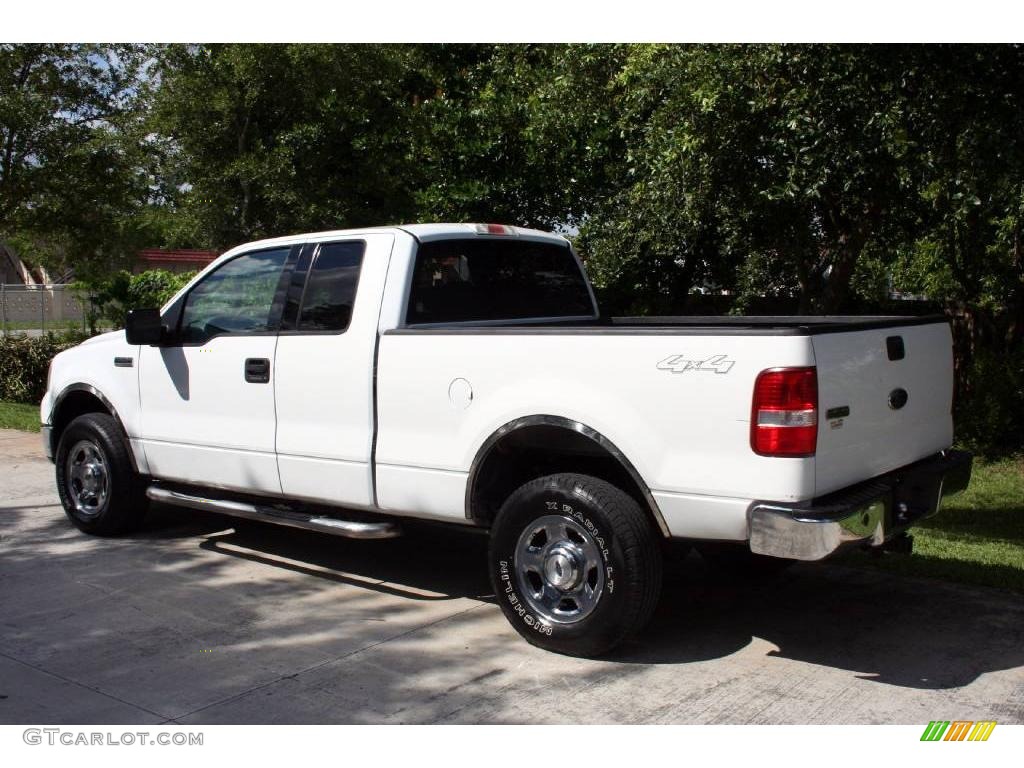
[
  {"x": 117, "y": 503},
  {"x": 735, "y": 562},
  {"x": 616, "y": 554}
]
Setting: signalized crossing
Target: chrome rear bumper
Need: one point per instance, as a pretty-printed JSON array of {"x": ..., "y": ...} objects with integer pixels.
[{"x": 866, "y": 514}]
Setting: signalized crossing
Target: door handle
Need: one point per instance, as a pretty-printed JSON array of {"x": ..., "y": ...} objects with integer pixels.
[{"x": 257, "y": 370}]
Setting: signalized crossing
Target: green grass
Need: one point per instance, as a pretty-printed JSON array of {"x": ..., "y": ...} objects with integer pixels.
[
  {"x": 977, "y": 537},
  {"x": 19, "y": 416},
  {"x": 15, "y": 328},
  {"x": 51, "y": 325}
]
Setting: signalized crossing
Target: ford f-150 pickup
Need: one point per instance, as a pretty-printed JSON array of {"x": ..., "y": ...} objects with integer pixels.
[{"x": 346, "y": 381}]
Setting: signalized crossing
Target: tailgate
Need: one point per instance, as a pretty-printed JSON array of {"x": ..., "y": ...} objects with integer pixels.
[{"x": 897, "y": 384}]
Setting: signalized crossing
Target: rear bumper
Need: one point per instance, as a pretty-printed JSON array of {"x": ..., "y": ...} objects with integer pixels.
[{"x": 866, "y": 514}]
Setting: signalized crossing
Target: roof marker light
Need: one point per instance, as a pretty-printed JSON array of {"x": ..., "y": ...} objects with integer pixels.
[{"x": 494, "y": 229}]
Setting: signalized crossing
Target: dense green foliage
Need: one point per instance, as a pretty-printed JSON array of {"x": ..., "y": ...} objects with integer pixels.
[
  {"x": 270, "y": 139},
  {"x": 729, "y": 178},
  {"x": 825, "y": 174},
  {"x": 989, "y": 414},
  {"x": 73, "y": 180},
  {"x": 25, "y": 361}
]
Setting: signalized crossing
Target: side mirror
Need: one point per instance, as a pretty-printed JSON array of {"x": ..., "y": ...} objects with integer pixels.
[{"x": 143, "y": 326}]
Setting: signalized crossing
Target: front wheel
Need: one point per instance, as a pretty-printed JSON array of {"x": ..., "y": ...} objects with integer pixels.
[
  {"x": 575, "y": 564},
  {"x": 97, "y": 485}
]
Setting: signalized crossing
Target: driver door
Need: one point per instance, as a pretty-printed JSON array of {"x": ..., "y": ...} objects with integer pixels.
[{"x": 207, "y": 397}]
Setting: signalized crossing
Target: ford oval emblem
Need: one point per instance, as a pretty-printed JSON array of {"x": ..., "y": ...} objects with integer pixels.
[{"x": 898, "y": 398}]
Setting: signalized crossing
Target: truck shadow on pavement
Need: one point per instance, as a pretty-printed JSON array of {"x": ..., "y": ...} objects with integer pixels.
[
  {"x": 905, "y": 631},
  {"x": 421, "y": 565},
  {"x": 194, "y": 621},
  {"x": 910, "y": 632}
]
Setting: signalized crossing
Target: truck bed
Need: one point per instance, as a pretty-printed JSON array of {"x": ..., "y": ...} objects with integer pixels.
[{"x": 685, "y": 427}]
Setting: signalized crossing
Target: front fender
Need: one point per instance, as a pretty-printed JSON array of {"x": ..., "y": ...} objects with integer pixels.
[{"x": 105, "y": 367}]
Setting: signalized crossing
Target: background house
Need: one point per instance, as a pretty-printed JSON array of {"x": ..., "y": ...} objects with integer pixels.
[
  {"x": 13, "y": 271},
  {"x": 173, "y": 260}
]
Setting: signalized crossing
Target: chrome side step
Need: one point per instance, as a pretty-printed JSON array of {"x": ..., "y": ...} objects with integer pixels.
[{"x": 349, "y": 528}]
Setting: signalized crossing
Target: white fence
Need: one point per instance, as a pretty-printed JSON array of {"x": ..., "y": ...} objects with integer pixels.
[{"x": 28, "y": 308}]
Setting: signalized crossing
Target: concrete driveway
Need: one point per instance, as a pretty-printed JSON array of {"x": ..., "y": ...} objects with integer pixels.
[{"x": 190, "y": 621}]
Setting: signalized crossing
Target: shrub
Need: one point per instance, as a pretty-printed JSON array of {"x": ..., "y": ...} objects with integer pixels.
[
  {"x": 111, "y": 299},
  {"x": 25, "y": 361},
  {"x": 989, "y": 413}
]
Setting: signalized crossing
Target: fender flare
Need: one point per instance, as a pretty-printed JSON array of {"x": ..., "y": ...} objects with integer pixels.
[
  {"x": 547, "y": 420},
  {"x": 90, "y": 389}
]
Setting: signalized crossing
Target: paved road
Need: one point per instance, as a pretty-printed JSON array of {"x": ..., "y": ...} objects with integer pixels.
[{"x": 190, "y": 621}]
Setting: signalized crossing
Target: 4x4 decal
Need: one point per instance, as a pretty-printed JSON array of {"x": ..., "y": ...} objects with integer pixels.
[{"x": 679, "y": 364}]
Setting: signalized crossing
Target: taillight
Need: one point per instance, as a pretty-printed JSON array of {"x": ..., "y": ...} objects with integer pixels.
[{"x": 784, "y": 416}]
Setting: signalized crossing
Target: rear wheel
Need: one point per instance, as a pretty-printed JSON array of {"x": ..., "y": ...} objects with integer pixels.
[
  {"x": 98, "y": 488},
  {"x": 575, "y": 564}
]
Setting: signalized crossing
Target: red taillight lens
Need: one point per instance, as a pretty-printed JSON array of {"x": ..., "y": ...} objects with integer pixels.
[{"x": 784, "y": 417}]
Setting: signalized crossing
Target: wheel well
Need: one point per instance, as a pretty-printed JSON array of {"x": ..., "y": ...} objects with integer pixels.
[
  {"x": 531, "y": 451},
  {"x": 72, "y": 405}
]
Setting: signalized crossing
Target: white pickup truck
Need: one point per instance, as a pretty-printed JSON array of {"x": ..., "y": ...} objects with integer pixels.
[{"x": 344, "y": 381}]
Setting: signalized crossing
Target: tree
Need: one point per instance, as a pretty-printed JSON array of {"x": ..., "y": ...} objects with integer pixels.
[
  {"x": 967, "y": 117},
  {"x": 271, "y": 139},
  {"x": 759, "y": 168},
  {"x": 661, "y": 230},
  {"x": 514, "y": 133},
  {"x": 69, "y": 173}
]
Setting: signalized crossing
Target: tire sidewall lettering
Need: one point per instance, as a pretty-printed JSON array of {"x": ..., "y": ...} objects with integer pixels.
[
  {"x": 610, "y": 522},
  {"x": 506, "y": 576},
  {"x": 534, "y": 623}
]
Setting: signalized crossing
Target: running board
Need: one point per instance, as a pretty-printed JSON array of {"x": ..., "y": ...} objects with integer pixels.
[{"x": 336, "y": 527}]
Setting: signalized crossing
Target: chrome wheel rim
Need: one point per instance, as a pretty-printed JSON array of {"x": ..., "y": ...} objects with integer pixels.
[
  {"x": 88, "y": 478},
  {"x": 559, "y": 569}
]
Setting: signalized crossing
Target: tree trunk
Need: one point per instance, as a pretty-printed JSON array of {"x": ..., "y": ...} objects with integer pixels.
[
  {"x": 1016, "y": 330},
  {"x": 849, "y": 236},
  {"x": 244, "y": 182},
  {"x": 837, "y": 287},
  {"x": 804, "y": 271},
  {"x": 682, "y": 282},
  {"x": 10, "y": 142}
]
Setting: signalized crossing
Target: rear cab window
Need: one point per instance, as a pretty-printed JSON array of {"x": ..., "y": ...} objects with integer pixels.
[{"x": 491, "y": 280}]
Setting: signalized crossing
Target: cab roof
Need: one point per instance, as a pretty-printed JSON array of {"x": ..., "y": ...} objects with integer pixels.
[{"x": 422, "y": 232}]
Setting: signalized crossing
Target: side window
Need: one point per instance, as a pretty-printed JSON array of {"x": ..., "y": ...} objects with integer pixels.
[
  {"x": 236, "y": 298},
  {"x": 331, "y": 287}
]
